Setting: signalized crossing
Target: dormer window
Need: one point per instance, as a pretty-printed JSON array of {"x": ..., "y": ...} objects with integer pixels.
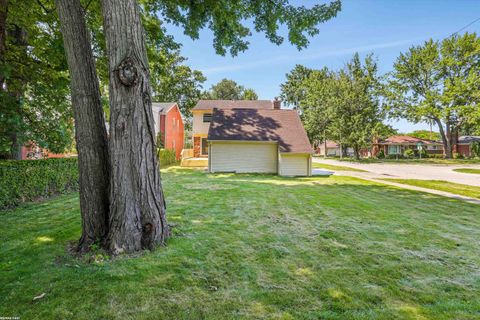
[{"x": 207, "y": 117}]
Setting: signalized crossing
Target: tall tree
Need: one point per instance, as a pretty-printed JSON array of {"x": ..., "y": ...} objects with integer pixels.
[
  {"x": 425, "y": 134},
  {"x": 342, "y": 106},
  {"x": 250, "y": 94},
  {"x": 90, "y": 133},
  {"x": 438, "y": 82},
  {"x": 293, "y": 89},
  {"x": 310, "y": 103},
  {"x": 173, "y": 81},
  {"x": 137, "y": 210},
  {"x": 137, "y": 207},
  {"x": 227, "y": 89}
]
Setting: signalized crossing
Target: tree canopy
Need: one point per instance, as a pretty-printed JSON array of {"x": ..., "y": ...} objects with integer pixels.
[
  {"x": 438, "y": 82},
  {"x": 293, "y": 89},
  {"x": 35, "y": 102},
  {"x": 339, "y": 105},
  {"x": 228, "y": 20},
  {"x": 425, "y": 134},
  {"x": 34, "y": 80},
  {"x": 227, "y": 89}
]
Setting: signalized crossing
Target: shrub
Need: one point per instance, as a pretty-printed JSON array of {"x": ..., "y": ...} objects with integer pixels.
[
  {"x": 409, "y": 153},
  {"x": 423, "y": 153},
  {"x": 437, "y": 156},
  {"x": 166, "y": 157},
  {"x": 381, "y": 155},
  {"x": 457, "y": 155},
  {"x": 475, "y": 149},
  {"x": 27, "y": 180}
]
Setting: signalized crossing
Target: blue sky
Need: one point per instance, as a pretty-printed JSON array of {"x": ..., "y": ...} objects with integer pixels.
[{"x": 383, "y": 27}]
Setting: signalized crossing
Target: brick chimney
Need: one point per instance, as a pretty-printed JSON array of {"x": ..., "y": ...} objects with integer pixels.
[{"x": 277, "y": 103}]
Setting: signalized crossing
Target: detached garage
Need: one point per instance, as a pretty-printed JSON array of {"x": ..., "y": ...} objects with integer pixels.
[{"x": 258, "y": 141}]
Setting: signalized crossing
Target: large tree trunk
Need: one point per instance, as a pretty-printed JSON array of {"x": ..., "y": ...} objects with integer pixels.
[
  {"x": 90, "y": 131},
  {"x": 19, "y": 36},
  {"x": 3, "y": 35},
  {"x": 446, "y": 139},
  {"x": 356, "y": 151},
  {"x": 137, "y": 209}
]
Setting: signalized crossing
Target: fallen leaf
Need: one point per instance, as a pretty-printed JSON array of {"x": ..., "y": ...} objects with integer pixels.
[{"x": 39, "y": 297}]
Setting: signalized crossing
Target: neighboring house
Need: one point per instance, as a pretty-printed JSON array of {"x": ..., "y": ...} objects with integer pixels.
[
  {"x": 250, "y": 136},
  {"x": 169, "y": 124},
  {"x": 397, "y": 145},
  {"x": 31, "y": 151},
  {"x": 333, "y": 149},
  {"x": 464, "y": 145}
]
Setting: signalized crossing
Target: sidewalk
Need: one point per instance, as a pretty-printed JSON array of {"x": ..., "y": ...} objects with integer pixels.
[{"x": 377, "y": 178}]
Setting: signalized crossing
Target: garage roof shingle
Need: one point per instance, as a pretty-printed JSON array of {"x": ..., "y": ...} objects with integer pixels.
[{"x": 282, "y": 126}]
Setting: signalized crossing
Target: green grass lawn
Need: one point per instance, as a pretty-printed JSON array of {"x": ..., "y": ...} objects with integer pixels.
[
  {"x": 334, "y": 167},
  {"x": 456, "y": 188},
  {"x": 468, "y": 170},
  {"x": 256, "y": 247}
]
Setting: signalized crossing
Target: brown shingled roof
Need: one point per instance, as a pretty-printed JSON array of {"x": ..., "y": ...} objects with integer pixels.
[
  {"x": 406, "y": 140},
  {"x": 282, "y": 126},
  {"x": 233, "y": 104}
]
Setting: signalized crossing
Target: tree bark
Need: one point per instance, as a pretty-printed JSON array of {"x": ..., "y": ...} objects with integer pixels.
[
  {"x": 19, "y": 36},
  {"x": 447, "y": 147},
  {"x": 137, "y": 209},
  {"x": 90, "y": 131},
  {"x": 356, "y": 151},
  {"x": 3, "y": 35}
]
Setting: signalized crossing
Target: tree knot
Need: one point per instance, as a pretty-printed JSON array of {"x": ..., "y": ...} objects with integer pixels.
[{"x": 127, "y": 72}]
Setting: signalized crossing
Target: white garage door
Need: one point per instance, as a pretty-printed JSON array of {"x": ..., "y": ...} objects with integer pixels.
[
  {"x": 243, "y": 157},
  {"x": 294, "y": 165}
]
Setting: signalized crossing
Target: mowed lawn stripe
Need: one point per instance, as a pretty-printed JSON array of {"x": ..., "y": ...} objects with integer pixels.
[
  {"x": 455, "y": 188},
  {"x": 256, "y": 246}
]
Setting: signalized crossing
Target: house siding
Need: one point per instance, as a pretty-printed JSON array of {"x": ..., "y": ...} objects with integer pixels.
[
  {"x": 200, "y": 127},
  {"x": 243, "y": 157},
  {"x": 174, "y": 131},
  {"x": 463, "y": 149},
  {"x": 294, "y": 164}
]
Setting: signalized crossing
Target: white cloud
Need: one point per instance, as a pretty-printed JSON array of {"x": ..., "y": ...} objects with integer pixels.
[{"x": 302, "y": 57}]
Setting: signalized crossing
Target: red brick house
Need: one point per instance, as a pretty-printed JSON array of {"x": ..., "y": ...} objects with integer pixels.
[
  {"x": 169, "y": 124},
  {"x": 397, "y": 145},
  {"x": 464, "y": 145}
]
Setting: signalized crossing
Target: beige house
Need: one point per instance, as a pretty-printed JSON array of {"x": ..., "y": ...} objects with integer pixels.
[
  {"x": 250, "y": 137},
  {"x": 333, "y": 149}
]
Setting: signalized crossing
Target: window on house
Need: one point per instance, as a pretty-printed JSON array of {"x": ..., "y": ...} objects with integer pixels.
[
  {"x": 204, "y": 150},
  {"x": 393, "y": 149},
  {"x": 207, "y": 117}
]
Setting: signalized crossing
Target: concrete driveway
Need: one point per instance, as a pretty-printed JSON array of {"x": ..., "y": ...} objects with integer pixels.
[{"x": 407, "y": 171}]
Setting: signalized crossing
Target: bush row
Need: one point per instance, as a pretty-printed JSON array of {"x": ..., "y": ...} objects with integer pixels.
[
  {"x": 27, "y": 180},
  {"x": 166, "y": 157}
]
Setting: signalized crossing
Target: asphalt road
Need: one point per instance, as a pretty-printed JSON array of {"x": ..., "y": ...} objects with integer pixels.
[{"x": 407, "y": 171}]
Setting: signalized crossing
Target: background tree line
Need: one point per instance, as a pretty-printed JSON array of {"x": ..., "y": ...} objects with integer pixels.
[
  {"x": 342, "y": 105},
  {"x": 436, "y": 83}
]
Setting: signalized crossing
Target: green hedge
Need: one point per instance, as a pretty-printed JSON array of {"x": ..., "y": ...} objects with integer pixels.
[
  {"x": 27, "y": 180},
  {"x": 166, "y": 157}
]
